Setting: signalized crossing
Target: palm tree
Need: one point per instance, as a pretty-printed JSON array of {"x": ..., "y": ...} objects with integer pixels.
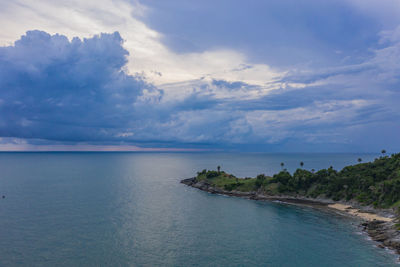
[
  {"x": 383, "y": 152},
  {"x": 359, "y": 159},
  {"x": 219, "y": 168},
  {"x": 301, "y": 164},
  {"x": 282, "y": 164}
]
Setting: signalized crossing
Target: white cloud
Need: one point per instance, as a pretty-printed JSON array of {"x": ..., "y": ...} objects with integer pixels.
[{"x": 147, "y": 53}]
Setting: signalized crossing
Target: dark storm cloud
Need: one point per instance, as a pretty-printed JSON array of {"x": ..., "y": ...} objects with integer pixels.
[{"x": 54, "y": 88}]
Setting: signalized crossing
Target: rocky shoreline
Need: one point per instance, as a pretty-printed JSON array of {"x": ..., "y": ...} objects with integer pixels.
[{"x": 385, "y": 232}]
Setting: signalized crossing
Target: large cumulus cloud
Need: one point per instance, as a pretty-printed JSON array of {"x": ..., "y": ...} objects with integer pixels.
[{"x": 54, "y": 88}]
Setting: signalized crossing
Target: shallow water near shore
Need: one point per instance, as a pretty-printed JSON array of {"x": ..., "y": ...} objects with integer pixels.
[{"x": 129, "y": 209}]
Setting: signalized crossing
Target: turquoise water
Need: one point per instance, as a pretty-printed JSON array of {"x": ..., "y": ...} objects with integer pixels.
[{"x": 129, "y": 209}]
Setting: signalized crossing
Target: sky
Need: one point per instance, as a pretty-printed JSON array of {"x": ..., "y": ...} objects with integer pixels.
[{"x": 221, "y": 75}]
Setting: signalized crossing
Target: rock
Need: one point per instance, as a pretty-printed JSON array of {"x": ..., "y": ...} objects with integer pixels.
[
  {"x": 380, "y": 237},
  {"x": 374, "y": 224},
  {"x": 189, "y": 181},
  {"x": 384, "y": 232}
]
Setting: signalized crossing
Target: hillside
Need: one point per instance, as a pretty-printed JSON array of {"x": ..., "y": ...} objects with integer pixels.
[{"x": 374, "y": 183}]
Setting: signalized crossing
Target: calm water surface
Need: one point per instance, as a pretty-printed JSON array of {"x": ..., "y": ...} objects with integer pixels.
[{"x": 129, "y": 209}]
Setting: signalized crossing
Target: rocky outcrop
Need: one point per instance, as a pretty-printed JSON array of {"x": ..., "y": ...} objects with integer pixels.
[
  {"x": 206, "y": 186},
  {"x": 383, "y": 232}
]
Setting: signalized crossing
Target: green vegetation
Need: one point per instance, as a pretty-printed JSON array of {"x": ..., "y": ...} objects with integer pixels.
[{"x": 374, "y": 183}]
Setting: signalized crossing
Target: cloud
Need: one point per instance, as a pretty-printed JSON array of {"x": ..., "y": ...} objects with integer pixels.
[
  {"x": 281, "y": 33},
  {"x": 258, "y": 81},
  {"x": 147, "y": 53},
  {"x": 229, "y": 85},
  {"x": 53, "y": 88}
]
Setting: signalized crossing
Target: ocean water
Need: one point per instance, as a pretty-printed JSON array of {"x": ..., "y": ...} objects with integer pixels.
[{"x": 129, "y": 209}]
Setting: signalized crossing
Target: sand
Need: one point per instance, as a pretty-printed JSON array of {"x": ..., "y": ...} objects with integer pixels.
[{"x": 356, "y": 212}]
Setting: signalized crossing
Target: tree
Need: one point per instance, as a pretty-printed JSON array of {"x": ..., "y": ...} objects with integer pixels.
[
  {"x": 219, "y": 169},
  {"x": 383, "y": 152},
  {"x": 359, "y": 159},
  {"x": 260, "y": 180},
  {"x": 282, "y": 164},
  {"x": 301, "y": 164}
]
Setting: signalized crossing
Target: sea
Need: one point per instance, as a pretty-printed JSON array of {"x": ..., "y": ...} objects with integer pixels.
[{"x": 130, "y": 209}]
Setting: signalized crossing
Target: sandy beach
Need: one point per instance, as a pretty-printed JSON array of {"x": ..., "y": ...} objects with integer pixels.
[{"x": 359, "y": 213}]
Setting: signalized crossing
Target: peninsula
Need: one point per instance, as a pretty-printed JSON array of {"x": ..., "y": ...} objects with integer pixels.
[{"x": 369, "y": 191}]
